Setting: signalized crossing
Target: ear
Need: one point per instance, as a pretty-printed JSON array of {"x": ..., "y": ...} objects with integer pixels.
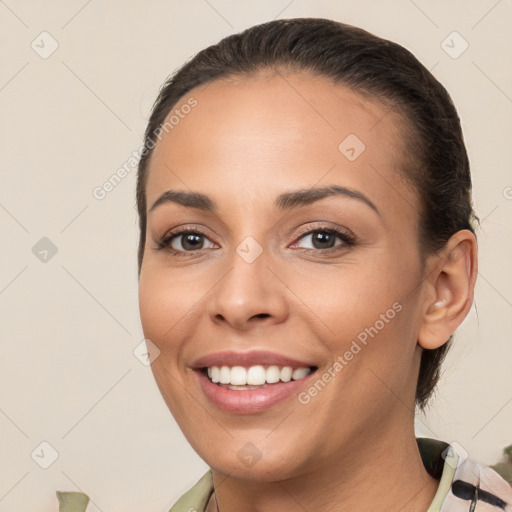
[{"x": 450, "y": 289}]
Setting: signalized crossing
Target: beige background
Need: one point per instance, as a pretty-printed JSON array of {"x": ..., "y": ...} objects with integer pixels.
[{"x": 69, "y": 325}]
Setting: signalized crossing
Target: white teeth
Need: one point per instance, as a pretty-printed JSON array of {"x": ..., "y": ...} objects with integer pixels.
[
  {"x": 286, "y": 374},
  {"x": 215, "y": 376},
  {"x": 255, "y": 375},
  {"x": 238, "y": 376},
  {"x": 273, "y": 374},
  {"x": 225, "y": 375},
  {"x": 300, "y": 373}
]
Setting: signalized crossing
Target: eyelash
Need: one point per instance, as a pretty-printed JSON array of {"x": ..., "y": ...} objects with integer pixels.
[
  {"x": 348, "y": 240},
  {"x": 165, "y": 241}
]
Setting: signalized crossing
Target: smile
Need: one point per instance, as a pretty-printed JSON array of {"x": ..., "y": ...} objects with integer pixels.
[
  {"x": 254, "y": 377},
  {"x": 252, "y": 398}
]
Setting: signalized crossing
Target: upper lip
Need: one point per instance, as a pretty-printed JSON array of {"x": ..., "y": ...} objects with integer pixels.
[{"x": 253, "y": 358}]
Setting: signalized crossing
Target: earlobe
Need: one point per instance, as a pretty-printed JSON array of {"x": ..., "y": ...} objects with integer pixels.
[{"x": 452, "y": 284}]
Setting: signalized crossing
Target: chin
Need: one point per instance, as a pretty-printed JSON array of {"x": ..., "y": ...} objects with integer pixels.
[
  {"x": 261, "y": 471},
  {"x": 242, "y": 459}
]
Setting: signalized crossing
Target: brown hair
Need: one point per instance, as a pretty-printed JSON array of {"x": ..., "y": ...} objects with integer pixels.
[{"x": 438, "y": 167}]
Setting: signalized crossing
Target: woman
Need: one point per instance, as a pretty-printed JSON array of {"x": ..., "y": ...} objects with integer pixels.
[{"x": 306, "y": 252}]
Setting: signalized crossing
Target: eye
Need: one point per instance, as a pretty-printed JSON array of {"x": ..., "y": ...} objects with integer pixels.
[
  {"x": 186, "y": 240},
  {"x": 322, "y": 238},
  {"x": 326, "y": 238}
]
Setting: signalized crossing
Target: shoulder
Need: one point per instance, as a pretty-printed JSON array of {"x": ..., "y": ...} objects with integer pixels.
[
  {"x": 196, "y": 498},
  {"x": 464, "y": 484},
  {"x": 72, "y": 501}
]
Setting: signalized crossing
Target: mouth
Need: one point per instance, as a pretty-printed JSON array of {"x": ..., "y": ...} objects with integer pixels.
[
  {"x": 252, "y": 389},
  {"x": 254, "y": 377}
]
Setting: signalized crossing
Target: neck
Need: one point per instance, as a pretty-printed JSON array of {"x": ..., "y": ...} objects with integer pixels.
[{"x": 381, "y": 472}]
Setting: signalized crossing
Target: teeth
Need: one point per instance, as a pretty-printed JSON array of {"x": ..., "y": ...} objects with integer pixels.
[
  {"x": 300, "y": 373},
  {"x": 255, "y": 375},
  {"x": 273, "y": 374},
  {"x": 238, "y": 376},
  {"x": 215, "y": 374},
  {"x": 286, "y": 374},
  {"x": 225, "y": 375}
]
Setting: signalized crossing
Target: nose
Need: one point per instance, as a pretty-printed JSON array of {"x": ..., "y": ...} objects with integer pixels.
[{"x": 248, "y": 295}]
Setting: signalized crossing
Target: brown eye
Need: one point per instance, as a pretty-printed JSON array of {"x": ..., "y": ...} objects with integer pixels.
[
  {"x": 187, "y": 240},
  {"x": 326, "y": 238},
  {"x": 322, "y": 239}
]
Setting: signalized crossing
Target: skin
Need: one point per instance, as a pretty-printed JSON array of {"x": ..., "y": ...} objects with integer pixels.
[{"x": 247, "y": 141}]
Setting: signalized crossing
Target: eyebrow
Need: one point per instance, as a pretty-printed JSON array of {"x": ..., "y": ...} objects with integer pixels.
[{"x": 284, "y": 201}]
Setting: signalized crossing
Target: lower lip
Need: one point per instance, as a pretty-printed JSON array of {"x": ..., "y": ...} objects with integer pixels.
[{"x": 250, "y": 400}]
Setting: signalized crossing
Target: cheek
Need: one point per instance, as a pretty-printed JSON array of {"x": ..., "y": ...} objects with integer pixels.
[
  {"x": 370, "y": 314},
  {"x": 165, "y": 298},
  {"x": 353, "y": 298},
  {"x": 162, "y": 303}
]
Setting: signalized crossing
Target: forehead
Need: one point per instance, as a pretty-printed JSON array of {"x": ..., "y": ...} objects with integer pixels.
[{"x": 247, "y": 139}]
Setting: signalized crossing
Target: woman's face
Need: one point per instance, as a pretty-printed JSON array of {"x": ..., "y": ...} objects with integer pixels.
[{"x": 268, "y": 281}]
